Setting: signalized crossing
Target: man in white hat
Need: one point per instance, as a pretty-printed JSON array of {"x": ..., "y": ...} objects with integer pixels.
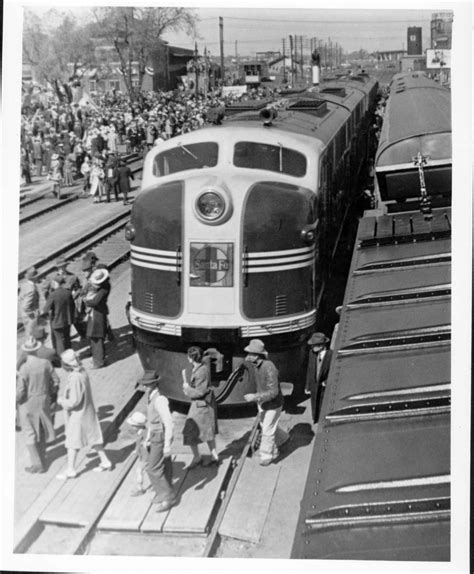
[
  {"x": 97, "y": 321},
  {"x": 269, "y": 401},
  {"x": 36, "y": 383}
]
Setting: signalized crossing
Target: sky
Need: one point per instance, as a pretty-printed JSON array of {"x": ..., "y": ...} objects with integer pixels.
[{"x": 250, "y": 30}]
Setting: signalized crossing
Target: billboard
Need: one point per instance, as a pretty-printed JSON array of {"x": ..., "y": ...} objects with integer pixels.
[{"x": 438, "y": 59}]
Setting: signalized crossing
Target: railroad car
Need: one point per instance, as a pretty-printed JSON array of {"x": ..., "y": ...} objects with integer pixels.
[
  {"x": 233, "y": 232},
  {"x": 416, "y": 128},
  {"x": 378, "y": 485}
]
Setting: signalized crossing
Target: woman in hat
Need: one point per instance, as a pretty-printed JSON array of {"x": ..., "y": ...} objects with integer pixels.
[
  {"x": 97, "y": 311},
  {"x": 158, "y": 442},
  {"x": 37, "y": 383},
  {"x": 201, "y": 422},
  {"x": 82, "y": 426}
]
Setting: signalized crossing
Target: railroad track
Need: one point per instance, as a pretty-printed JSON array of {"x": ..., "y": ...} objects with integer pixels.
[
  {"x": 204, "y": 489},
  {"x": 50, "y": 204}
]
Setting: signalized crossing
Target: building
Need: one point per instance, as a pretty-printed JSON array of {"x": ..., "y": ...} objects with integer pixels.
[
  {"x": 441, "y": 30},
  {"x": 414, "y": 41}
]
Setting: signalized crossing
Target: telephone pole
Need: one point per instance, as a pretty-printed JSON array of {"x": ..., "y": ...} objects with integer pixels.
[{"x": 221, "y": 36}]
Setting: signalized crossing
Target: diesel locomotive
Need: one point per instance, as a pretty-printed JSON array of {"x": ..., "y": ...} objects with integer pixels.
[
  {"x": 233, "y": 232},
  {"x": 379, "y": 484}
]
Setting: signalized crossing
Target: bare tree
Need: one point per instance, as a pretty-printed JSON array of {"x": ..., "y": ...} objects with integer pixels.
[
  {"x": 56, "y": 46},
  {"x": 136, "y": 34}
]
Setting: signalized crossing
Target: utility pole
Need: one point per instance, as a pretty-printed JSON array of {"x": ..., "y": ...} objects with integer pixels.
[
  {"x": 301, "y": 56},
  {"x": 284, "y": 61},
  {"x": 221, "y": 36},
  {"x": 291, "y": 60}
]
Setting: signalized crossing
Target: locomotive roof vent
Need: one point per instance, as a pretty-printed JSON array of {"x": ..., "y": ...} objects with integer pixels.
[
  {"x": 317, "y": 107},
  {"x": 246, "y": 106},
  {"x": 338, "y": 91}
]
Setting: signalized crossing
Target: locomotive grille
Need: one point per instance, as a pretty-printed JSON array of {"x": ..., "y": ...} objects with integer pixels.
[
  {"x": 281, "y": 305},
  {"x": 149, "y": 301}
]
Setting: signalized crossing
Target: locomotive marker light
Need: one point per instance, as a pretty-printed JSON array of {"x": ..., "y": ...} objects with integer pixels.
[{"x": 129, "y": 232}]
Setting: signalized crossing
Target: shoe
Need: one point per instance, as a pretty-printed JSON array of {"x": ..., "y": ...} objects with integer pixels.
[
  {"x": 265, "y": 462},
  {"x": 103, "y": 467},
  {"x": 137, "y": 492},
  {"x": 66, "y": 475},
  {"x": 34, "y": 469},
  {"x": 164, "y": 506},
  {"x": 211, "y": 462},
  {"x": 193, "y": 464}
]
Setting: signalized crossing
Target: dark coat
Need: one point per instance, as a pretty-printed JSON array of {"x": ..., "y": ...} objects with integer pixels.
[
  {"x": 124, "y": 173},
  {"x": 61, "y": 308},
  {"x": 201, "y": 422},
  {"x": 97, "y": 312}
]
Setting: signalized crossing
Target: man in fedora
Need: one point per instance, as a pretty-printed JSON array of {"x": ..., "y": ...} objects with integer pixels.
[
  {"x": 97, "y": 311},
  {"x": 318, "y": 370},
  {"x": 36, "y": 383},
  {"x": 61, "y": 310},
  {"x": 29, "y": 299},
  {"x": 39, "y": 333},
  {"x": 269, "y": 401},
  {"x": 158, "y": 442}
]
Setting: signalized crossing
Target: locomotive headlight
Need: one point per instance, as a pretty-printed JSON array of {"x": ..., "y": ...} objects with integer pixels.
[
  {"x": 210, "y": 205},
  {"x": 129, "y": 232}
]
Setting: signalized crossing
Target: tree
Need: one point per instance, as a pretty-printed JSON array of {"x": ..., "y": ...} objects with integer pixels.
[
  {"x": 136, "y": 34},
  {"x": 56, "y": 46}
]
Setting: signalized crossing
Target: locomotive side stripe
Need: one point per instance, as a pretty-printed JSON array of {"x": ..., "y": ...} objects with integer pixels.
[
  {"x": 154, "y": 259},
  {"x": 279, "y": 262},
  {"x": 285, "y": 253},
  {"x": 158, "y": 252},
  {"x": 279, "y": 267},
  {"x": 139, "y": 263}
]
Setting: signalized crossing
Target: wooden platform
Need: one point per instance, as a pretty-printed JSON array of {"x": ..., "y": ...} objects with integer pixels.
[{"x": 248, "y": 508}]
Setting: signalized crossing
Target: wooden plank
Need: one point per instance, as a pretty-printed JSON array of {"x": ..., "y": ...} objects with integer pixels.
[
  {"x": 154, "y": 521},
  {"x": 198, "y": 494},
  {"x": 248, "y": 508},
  {"x": 79, "y": 500},
  {"x": 127, "y": 512}
]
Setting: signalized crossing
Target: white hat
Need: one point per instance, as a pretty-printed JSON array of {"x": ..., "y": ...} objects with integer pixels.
[
  {"x": 137, "y": 419},
  {"x": 31, "y": 345},
  {"x": 99, "y": 276},
  {"x": 69, "y": 357},
  {"x": 256, "y": 346}
]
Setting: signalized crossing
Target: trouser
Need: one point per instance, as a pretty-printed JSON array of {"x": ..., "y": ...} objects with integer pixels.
[
  {"x": 112, "y": 185},
  {"x": 87, "y": 183},
  {"x": 98, "y": 351},
  {"x": 37, "y": 451},
  {"x": 272, "y": 434},
  {"x": 25, "y": 172},
  {"x": 159, "y": 468},
  {"x": 39, "y": 166},
  {"x": 61, "y": 339},
  {"x": 124, "y": 193}
]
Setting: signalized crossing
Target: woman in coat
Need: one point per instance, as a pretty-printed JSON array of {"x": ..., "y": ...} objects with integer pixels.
[
  {"x": 201, "y": 422},
  {"x": 82, "y": 426},
  {"x": 37, "y": 382},
  {"x": 97, "y": 311}
]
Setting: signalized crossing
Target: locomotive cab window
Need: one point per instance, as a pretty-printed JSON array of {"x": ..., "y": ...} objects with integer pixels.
[
  {"x": 184, "y": 157},
  {"x": 254, "y": 155}
]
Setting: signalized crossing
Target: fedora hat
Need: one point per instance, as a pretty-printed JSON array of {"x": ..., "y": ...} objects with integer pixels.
[
  {"x": 31, "y": 273},
  {"x": 99, "y": 276},
  {"x": 31, "y": 345},
  {"x": 69, "y": 357},
  {"x": 150, "y": 377},
  {"x": 257, "y": 347},
  {"x": 317, "y": 339},
  {"x": 137, "y": 420}
]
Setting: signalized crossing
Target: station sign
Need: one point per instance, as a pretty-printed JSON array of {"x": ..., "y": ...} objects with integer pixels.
[{"x": 438, "y": 59}]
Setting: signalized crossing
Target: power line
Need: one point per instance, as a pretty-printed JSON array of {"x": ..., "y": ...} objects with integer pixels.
[{"x": 322, "y": 22}]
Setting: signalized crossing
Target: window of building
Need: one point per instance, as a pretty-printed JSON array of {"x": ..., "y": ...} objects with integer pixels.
[
  {"x": 92, "y": 85},
  {"x": 114, "y": 84}
]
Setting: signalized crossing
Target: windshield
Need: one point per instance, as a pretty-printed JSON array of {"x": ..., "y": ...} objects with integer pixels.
[
  {"x": 270, "y": 157},
  {"x": 183, "y": 157}
]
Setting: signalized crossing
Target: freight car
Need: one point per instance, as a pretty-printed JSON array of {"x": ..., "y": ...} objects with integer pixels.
[
  {"x": 233, "y": 232},
  {"x": 378, "y": 485}
]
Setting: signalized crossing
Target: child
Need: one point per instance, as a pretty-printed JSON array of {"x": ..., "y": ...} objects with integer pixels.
[{"x": 138, "y": 422}]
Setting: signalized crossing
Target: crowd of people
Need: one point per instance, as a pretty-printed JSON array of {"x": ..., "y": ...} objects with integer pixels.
[{"x": 65, "y": 141}]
